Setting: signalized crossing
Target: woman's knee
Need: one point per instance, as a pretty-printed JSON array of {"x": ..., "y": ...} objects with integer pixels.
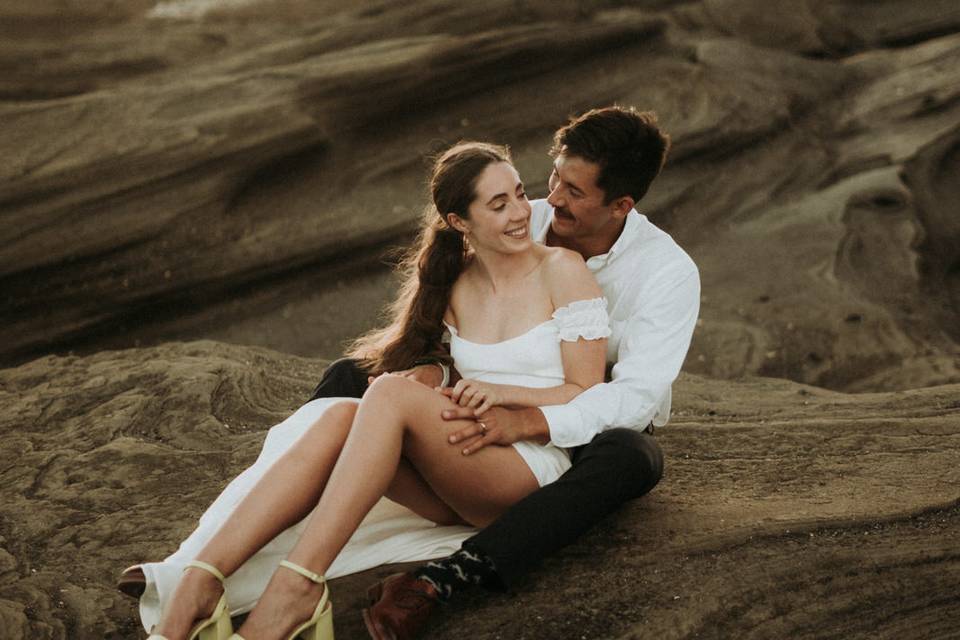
[
  {"x": 342, "y": 409},
  {"x": 338, "y": 415},
  {"x": 390, "y": 390}
]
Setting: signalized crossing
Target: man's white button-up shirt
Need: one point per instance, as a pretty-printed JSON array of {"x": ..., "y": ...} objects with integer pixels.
[{"x": 653, "y": 294}]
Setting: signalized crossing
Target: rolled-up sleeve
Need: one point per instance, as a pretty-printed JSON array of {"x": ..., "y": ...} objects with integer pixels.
[{"x": 652, "y": 349}]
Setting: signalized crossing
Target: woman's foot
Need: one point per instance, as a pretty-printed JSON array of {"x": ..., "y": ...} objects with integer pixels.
[
  {"x": 195, "y": 598},
  {"x": 288, "y": 601}
]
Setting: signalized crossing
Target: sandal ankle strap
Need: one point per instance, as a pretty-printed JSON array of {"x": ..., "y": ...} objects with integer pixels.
[
  {"x": 209, "y": 568},
  {"x": 306, "y": 573}
]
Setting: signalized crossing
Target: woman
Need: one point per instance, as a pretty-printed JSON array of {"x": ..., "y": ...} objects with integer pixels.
[{"x": 527, "y": 327}]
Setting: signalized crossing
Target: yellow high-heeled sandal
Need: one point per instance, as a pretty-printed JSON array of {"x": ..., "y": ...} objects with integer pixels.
[
  {"x": 217, "y": 626},
  {"x": 320, "y": 624}
]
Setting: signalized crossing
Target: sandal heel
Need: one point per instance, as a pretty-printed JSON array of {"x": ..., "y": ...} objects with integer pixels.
[
  {"x": 320, "y": 624},
  {"x": 323, "y": 628},
  {"x": 218, "y": 626}
]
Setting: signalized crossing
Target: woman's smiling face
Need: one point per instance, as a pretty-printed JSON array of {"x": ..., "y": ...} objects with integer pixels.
[{"x": 500, "y": 212}]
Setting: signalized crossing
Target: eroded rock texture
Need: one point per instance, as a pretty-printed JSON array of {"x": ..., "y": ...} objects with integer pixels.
[
  {"x": 786, "y": 511},
  {"x": 175, "y": 170},
  {"x": 234, "y": 170}
]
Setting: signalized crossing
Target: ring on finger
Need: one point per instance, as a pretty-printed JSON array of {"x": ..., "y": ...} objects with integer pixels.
[{"x": 483, "y": 429}]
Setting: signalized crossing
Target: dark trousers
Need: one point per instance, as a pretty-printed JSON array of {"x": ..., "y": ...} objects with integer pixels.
[{"x": 616, "y": 466}]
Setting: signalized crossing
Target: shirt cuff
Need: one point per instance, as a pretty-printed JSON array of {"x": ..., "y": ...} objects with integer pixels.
[{"x": 566, "y": 426}]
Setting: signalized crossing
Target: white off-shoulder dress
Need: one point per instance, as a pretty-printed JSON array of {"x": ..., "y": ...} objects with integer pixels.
[
  {"x": 533, "y": 359},
  {"x": 390, "y": 533}
]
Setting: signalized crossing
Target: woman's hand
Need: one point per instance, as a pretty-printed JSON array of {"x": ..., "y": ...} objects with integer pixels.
[{"x": 475, "y": 395}]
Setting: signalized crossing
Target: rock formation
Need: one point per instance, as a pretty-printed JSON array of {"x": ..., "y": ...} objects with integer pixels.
[{"x": 235, "y": 170}]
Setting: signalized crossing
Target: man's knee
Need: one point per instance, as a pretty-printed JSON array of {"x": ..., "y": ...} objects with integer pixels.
[
  {"x": 343, "y": 378},
  {"x": 633, "y": 455}
]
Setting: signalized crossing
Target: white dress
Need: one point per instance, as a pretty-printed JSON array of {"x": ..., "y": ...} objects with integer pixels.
[{"x": 390, "y": 533}]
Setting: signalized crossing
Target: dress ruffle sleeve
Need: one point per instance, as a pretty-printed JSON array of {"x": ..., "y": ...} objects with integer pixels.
[{"x": 586, "y": 319}]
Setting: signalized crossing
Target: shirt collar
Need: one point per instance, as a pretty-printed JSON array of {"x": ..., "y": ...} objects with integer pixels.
[
  {"x": 541, "y": 233},
  {"x": 632, "y": 229}
]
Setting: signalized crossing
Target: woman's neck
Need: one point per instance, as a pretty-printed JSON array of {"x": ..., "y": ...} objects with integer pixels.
[{"x": 501, "y": 271}]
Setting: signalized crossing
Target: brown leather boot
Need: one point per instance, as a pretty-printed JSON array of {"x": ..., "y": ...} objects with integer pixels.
[{"x": 401, "y": 606}]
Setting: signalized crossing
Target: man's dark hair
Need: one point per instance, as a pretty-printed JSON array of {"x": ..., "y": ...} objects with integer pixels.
[{"x": 627, "y": 144}]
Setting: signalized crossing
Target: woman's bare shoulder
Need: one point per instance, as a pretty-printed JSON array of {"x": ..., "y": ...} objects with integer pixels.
[
  {"x": 560, "y": 263},
  {"x": 562, "y": 258},
  {"x": 566, "y": 276}
]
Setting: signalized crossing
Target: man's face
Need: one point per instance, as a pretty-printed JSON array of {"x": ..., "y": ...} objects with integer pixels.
[{"x": 579, "y": 211}]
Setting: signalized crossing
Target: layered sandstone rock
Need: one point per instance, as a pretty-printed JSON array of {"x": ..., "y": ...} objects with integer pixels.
[{"x": 233, "y": 170}]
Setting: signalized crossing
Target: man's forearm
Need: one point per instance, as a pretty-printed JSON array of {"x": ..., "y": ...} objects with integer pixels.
[{"x": 533, "y": 424}]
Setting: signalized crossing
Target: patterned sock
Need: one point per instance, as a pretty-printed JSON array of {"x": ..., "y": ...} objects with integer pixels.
[{"x": 457, "y": 571}]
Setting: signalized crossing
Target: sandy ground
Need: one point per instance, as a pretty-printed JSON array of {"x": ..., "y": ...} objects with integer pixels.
[{"x": 785, "y": 510}]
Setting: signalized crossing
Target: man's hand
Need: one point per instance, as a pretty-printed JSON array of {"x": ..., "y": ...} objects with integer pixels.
[
  {"x": 430, "y": 375},
  {"x": 476, "y": 395},
  {"x": 499, "y": 426}
]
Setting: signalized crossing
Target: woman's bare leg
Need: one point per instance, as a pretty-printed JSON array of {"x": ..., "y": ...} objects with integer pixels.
[
  {"x": 397, "y": 416},
  {"x": 282, "y": 497},
  {"x": 411, "y": 490}
]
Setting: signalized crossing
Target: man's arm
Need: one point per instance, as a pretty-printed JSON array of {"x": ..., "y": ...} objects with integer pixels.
[
  {"x": 652, "y": 349},
  {"x": 432, "y": 372}
]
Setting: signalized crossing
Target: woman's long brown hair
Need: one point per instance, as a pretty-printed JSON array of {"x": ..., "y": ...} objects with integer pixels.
[{"x": 431, "y": 266}]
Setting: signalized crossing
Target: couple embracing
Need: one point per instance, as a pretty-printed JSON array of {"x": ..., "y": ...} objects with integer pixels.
[{"x": 483, "y": 404}]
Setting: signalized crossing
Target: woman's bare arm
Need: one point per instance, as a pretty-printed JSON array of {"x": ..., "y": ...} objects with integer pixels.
[{"x": 568, "y": 280}]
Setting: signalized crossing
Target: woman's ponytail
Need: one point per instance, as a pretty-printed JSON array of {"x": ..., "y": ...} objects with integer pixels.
[{"x": 431, "y": 267}]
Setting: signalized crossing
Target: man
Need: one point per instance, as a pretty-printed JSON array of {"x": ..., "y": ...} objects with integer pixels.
[{"x": 604, "y": 162}]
